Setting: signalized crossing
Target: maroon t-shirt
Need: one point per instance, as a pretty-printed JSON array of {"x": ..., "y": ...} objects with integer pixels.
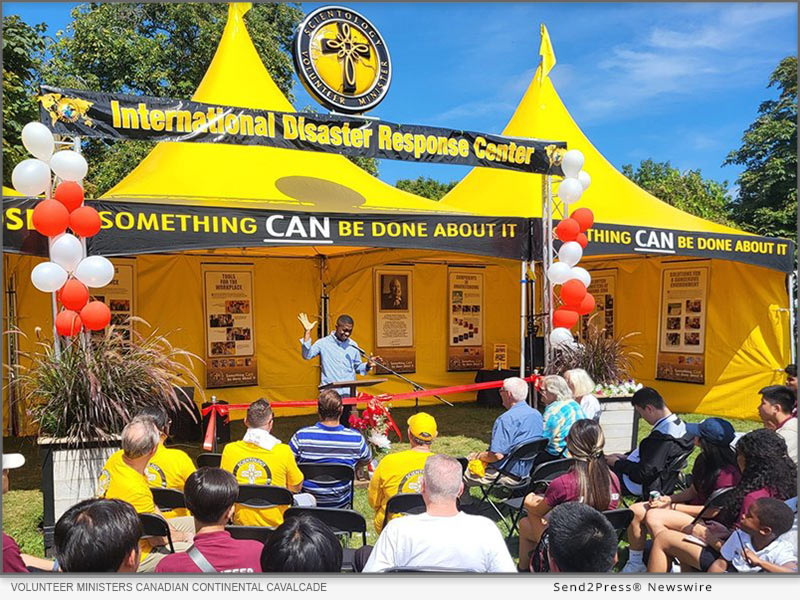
[
  {"x": 728, "y": 476},
  {"x": 750, "y": 498},
  {"x": 12, "y": 561},
  {"x": 565, "y": 489},
  {"x": 225, "y": 554}
]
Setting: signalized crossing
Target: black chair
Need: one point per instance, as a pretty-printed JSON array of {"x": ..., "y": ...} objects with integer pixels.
[
  {"x": 208, "y": 459},
  {"x": 263, "y": 496},
  {"x": 399, "y": 504},
  {"x": 671, "y": 475},
  {"x": 540, "y": 478},
  {"x": 342, "y": 521},
  {"x": 619, "y": 518},
  {"x": 249, "y": 532},
  {"x": 715, "y": 502},
  {"x": 328, "y": 473},
  {"x": 154, "y": 525},
  {"x": 168, "y": 498}
]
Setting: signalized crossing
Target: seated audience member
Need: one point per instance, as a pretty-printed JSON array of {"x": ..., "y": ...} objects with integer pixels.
[
  {"x": 561, "y": 412},
  {"x": 401, "y": 472},
  {"x": 589, "y": 480},
  {"x": 442, "y": 537},
  {"x": 581, "y": 540},
  {"x": 302, "y": 544},
  {"x": 330, "y": 442},
  {"x": 582, "y": 388},
  {"x": 169, "y": 467},
  {"x": 123, "y": 477},
  {"x": 518, "y": 424},
  {"x": 210, "y": 496},
  {"x": 758, "y": 545},
  {"x": 767, "y": 472},
  {"x": 714, "y": 468},
  {"x": 99, "y": 536},
  {"x": 791, "y": 377},
  {"x": 775, "y": 410},
  {"x": 646, "y": 466},
  {"x": 260, "y": 459}
]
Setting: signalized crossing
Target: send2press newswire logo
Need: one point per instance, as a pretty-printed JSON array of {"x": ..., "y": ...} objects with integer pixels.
[{"x": 342, "y": 60}]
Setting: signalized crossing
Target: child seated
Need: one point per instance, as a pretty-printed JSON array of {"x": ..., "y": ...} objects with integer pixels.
[{"x": 758, "y": 545}]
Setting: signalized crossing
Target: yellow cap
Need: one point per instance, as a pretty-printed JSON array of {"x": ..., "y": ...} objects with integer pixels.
[{"x": 422, "y": 426}]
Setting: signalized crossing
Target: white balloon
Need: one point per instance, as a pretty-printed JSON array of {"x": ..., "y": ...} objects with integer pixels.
[
  {"x": 69, "y": 165},
  {"x": 560, "y": 336},
  {"x": 48, "y": 277},
  {"x": 570, "y": 253},
  {"x": 585, "y": 179},
  {"x": 572, "y": 163},
  {"x": 570, "y": 190},
  {"x": 38, "y": 140},
  {"x": 95, "y": 271},
  {"x": 559, "y": 272},
  {"x": 31, "y": 177},
  {"x": 582, "y": 275},
  {"x": 66, "y": 251}
]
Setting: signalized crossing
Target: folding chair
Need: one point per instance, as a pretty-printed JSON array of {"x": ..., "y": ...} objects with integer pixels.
[
  {"x": 409, "y": 504},
  {"x": 715, "y": 502},
  {"x": 208, "y": 459},
  {"x": 329, "y": 473},
  {"x": 540, "y": 478},
  {"x": 154, "y": 525},
  {"x": 523, "y": 452},
  {"x": 619, "y": 518},
  {"x": 342, "y": 521},
  {"x": 249, "y": 532},
  {"x": 263, "y": 496},
  {"x": 168, "y": 499},
  {"x": 672, "y": 472}
]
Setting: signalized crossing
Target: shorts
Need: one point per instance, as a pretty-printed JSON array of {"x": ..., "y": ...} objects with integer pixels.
[{"x": 708, "y": 556}]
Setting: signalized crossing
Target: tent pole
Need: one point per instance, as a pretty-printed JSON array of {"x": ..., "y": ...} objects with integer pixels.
[
  {"x": 791, "y": 285},
  {"x": 547, "y": 260},
  {"x": 523, "y": 319}
]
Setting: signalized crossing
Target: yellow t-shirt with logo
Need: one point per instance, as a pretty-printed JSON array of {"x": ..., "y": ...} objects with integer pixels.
[
  {"x": 399, "y": 473},
  {"x": 254, "y": 465},
  {"x": 169, "y": 468}
]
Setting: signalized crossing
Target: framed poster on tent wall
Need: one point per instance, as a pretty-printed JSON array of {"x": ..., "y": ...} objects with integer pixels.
[
  {"x": 465, "y": 318},
  {"x": 603, "y": 287},
  {"x": 394, "y": 318},
  {"x": 682, "y": 325},
  {"x": 120, "y": 297},
  {"x": 230, "y": 333}
]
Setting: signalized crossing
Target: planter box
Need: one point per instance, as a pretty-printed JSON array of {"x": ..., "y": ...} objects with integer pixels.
[
  {"x": 620, "y": 423},
  {"x": 69, "y": 475}
]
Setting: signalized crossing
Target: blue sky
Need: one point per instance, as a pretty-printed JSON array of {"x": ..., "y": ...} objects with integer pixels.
[{"x": 678, "y": 82}]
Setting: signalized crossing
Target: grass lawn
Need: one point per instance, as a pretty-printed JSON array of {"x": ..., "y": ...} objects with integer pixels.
[{"x": 463, "y": 428}]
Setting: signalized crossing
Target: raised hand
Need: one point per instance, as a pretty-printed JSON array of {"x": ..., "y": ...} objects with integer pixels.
[{"x": 307, "y": 325}]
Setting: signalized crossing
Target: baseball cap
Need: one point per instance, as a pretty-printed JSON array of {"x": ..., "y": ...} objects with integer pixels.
[
  {"x": 13, "y": 461},
  {"x": 422, "y": 426},
  {"x": 714, "y": 430}
]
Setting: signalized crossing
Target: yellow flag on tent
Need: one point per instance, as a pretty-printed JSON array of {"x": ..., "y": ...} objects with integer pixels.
[{"x": 546, "y": 52}]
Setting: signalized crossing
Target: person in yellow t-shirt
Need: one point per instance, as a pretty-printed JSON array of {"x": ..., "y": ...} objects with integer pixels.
[
  {"x": 123, "y": 477},
  {"x": 401, "y": 472},
  {"x": 261, "y": 459}
]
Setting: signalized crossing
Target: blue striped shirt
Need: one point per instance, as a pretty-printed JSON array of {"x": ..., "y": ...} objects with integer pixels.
[{"x": 333, "y": 445}]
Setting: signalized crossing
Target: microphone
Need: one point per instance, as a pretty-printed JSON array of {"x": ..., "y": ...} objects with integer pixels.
[{"x": 356, "y": 346}]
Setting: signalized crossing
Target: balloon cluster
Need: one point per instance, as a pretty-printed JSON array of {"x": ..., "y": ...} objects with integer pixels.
[
  {"x": 69, "y": 272},
  {"x": 574, "y": 280}
]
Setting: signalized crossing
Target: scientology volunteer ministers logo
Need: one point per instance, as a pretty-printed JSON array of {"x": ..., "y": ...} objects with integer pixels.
[
  {"x": 69, "y": 110},
  {"x": 342, "y": 60}
]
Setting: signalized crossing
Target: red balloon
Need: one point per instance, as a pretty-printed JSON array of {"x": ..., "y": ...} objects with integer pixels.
[
  {"x": 584, "y": 217},
  {"x": 74, "y": 295},
  {"x": 567, "y": 229},
  {"x": 68, "y": 323},
  {"x": 70, "y": 194},
  {"x": 582, "y": 240},
  {"x": 573, "y": 292},
  {"x": 564, "y": 317},
  {"x": 50, "y": 217},
  {"x": 587, "y": 305},
  {"x": 95, "y": 315},
  {"x": 85, "y": 221}
]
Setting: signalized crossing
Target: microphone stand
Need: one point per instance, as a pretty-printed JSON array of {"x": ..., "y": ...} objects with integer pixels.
[{"x": 417, "y": 387}]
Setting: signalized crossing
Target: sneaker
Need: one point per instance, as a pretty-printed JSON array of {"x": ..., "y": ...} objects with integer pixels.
[{"x": 631, "y": 567}]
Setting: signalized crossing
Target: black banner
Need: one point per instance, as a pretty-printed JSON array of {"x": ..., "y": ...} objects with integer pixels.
[
  {"x": 120, "y": 116},
  {"x": 136, "y": 228}
]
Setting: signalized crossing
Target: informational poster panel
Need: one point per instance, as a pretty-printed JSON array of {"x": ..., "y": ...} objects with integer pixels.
[
  {"x": 682, "y": 327},
  {"x": 119, "y": 296},
  {"x": 465, "y": 310},
  {"x": 230, "y": 334},
  {"x": 603, "y": 288},
  {"x": 394, "y": 319},
  {"x": 500, "y": 357}
]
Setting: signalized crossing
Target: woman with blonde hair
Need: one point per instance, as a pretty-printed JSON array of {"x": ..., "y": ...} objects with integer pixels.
[
  {"x": 561, "y": 412},
  {"x": 582, "y": 387}
]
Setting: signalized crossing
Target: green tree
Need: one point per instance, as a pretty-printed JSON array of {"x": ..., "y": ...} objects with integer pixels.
[
  {"x": 688, "y": 191},
  {"x": 156, "y": 49},
  {"x": 22, "y": 57},
  {"x": 425, "y": 187},
  {"x": 767, "y": 200}
]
